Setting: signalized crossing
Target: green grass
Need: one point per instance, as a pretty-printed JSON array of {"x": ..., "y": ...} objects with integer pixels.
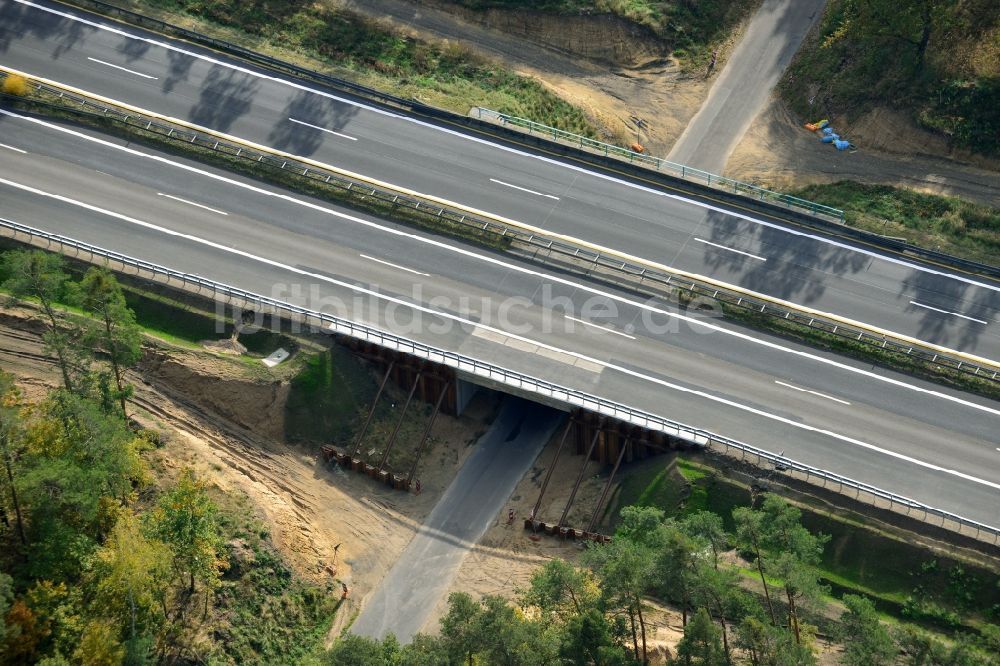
[
  {"x": 868, "y": 54},
  {"x": 327, "y": 398},
  {"x": 942, "y": 223},
  {"x": 352, "y": 47},
  {"x": 896, "y": 574},
  {"x": 263, "y": 613},
  {"x": 653, "y": 482}
]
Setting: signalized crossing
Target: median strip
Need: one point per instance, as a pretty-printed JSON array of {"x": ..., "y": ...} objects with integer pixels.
[{"x": 500, "y": 232}]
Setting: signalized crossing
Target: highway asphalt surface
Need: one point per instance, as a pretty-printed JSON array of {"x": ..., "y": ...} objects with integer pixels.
[
  {"x": 405, "y": 598},
  {"x": 745, "y": 84},
  {"x": 183, "y": 81},
  {"x": 911, "y": 437}
]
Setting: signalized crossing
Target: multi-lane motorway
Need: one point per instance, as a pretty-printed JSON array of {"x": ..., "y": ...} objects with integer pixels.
[
  {"x": 915, "y": 438},
  {"x": 182, "y": 81}
]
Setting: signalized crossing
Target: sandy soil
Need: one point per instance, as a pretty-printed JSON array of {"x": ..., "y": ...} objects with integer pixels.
[
  {"x": 644, "y": 84},
  {"x": 307, "y": 506},
  {"x": 778, "y": 152}
]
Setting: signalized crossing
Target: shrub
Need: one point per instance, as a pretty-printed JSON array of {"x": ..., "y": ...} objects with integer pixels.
[{"x": 14, "y": 84}]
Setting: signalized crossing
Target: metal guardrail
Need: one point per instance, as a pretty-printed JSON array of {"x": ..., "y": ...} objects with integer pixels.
[
  {"x": 679, "y": 170},
  {"x": 684, "y": 172},
  {"x": 489, "y": 371},
  {"x": 412, "y": 105},
  {"x": 638, "y": 275}
]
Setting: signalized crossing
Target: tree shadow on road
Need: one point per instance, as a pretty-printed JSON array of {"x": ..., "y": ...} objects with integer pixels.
[
  {"x": 316, "y": 110},
  {"x": 951, "y": 295},
  {"x": 226, "y": 95},
  {"x": 133, "y": 49},
  {"x": 790, "y": 271},
  {"x": 177, "y": 70},
  {"x": 21, "y": 21}
]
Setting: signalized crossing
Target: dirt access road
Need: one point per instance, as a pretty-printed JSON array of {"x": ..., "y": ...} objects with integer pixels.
[
  {"x": 743, "y": 88},
  {"x": 214, "y": 414},
  {"x": 642, "y": 82},
  {"x": 407, "y": 596},
  {"x": 775, "y": 151}
]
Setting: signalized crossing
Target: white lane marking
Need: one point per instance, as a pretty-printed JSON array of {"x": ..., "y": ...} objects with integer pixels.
[
  {"x": 822, "y": 395},
  {"x": 693, "y": 321},
  {"x": 466, "y": 322},
  {"x": 729, "y": 249},
  {"x": 606, "y": 329},
  {"x": 949, "y": 312},
  {"x": 16, "y": 150},
  {"x": 124, "y": 69},
  {"x": 191, "y": 203},
  {"x": 323, "y": 129},
  {"x": 523, "y": 189},
  {"x": 402, "y": 268},
  {"x": 509, "y": 149},
  {"x": 480, "y": 140}
]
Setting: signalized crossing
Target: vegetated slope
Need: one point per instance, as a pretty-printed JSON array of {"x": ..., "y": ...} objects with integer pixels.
[
  {"x": 446, "y": 75},
  {"x": 687, "y": 27},
  {"x": 937, "y": 60},
  {"x": 949, "y": 224}
]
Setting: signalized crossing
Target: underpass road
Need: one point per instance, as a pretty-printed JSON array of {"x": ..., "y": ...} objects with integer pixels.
[
  {"x": 929, "y": 303},
  {"x": 914, "y": 438},
  {"x": 405, "y": 598}
]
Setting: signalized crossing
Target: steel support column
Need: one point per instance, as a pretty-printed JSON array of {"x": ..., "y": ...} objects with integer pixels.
[
  {"x": 607, "y": 486},
  {"x": 371, "y": 412},
  {"x": 427, "y": 432},
  {"x": 399, "y": 424},
  {"x": 583, "y": 469}
]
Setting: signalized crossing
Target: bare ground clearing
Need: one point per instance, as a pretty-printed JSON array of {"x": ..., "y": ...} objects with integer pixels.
[
  {"x": 775, "y": 151},
  {"x": 308, "y": 507},
  {"x": 779, "y": 153},
  {"x": 645, "y": 83}
]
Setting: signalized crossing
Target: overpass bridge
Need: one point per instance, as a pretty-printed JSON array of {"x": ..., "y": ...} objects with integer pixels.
[{"x": 502, "y": 319}]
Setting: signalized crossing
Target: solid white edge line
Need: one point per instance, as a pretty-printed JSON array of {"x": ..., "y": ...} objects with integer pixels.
[
  {"x": 16, "y": 150},
  {"x": 402, "y": 268},
  {"x": 124, "y": 69},
  {"x": 323, "y": 129},
  {"x": 729, "y": 249},
  {"x": 606, "y": 329},
  {"x": 399, "y": 301},
  {"x": 817, "y": 393},
  {"x": 949, "y": 312},
  {"x": 548, "y": 160},
  {"x": 523, "y": 189},
  {"x": 693, "y": 321},
  {"x": 192, "y": 203}
]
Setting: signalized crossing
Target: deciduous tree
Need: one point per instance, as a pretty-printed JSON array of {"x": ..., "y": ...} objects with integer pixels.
[
  {"x": 131, "y": 573},
  {"x": 10, "y": 421},
  {"x": 186, "y": 520}
]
